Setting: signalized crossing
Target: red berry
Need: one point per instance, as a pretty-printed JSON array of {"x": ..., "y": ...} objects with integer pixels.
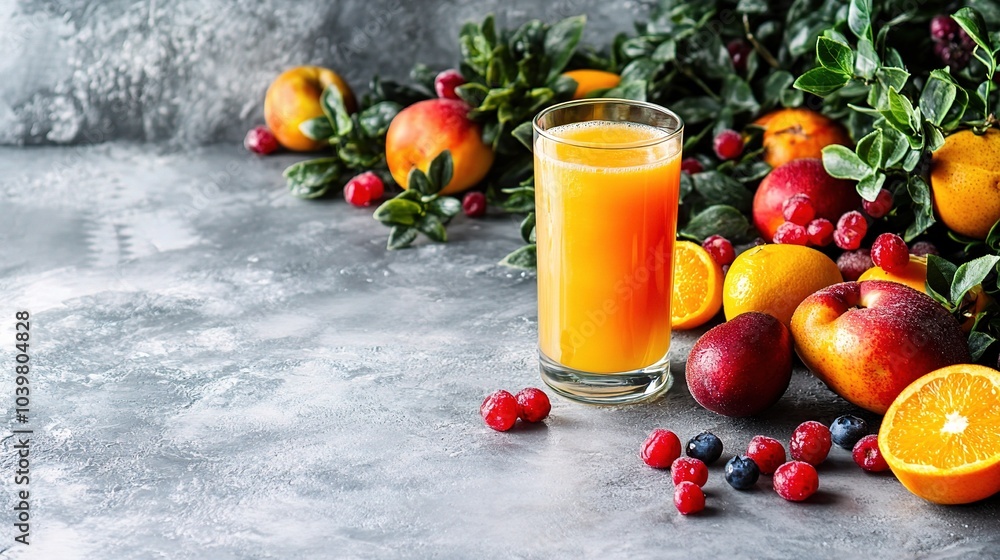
[
  {"x": 810, "y": 443},
  {"x": 689, "y": 498},
  {"x": 691, "y": 166},
  {"x": 260, "y": 140},
  {"x": 363, "y": 189},
  {"x": 474, "y": 204},
  {"x": 890, "y": 252},
  {"x": 796, "y": 480},
  {"x": 791, "y": 234},
  {"x": 923, "y": 248},
  {"x": 851, "y": 229},
  {"x": 499, "y": 411},
  {"x": 820, "y": 232},
  {"x": 728, "y": 144},
  {"x": 739, "y": 52},
  {"x": 880, "y": 206},
  {"x": 532, "y": 405},
  {"x": 868, "y": 456},
  {"x": 798, "y": 209},
  {"x": 767, "y": 452},
  {"x": 720, "y": 248},
  {"x": 446, "y": 82},
  {"x": 661, "y": 448},
  {"x": 943, "y": 28},
  {"x": 689, "y": 469},
  {"x": 853, "y": 264}
]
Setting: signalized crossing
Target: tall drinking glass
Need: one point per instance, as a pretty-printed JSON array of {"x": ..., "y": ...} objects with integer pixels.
[{"x": 607, "y": 179}]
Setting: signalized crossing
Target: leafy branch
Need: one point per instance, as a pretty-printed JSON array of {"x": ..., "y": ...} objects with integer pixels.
[{"x": 420, "y": 208}]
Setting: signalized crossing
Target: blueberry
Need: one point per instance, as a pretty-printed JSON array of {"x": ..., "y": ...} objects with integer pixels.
[
  {"x": 846, "y": 430},
  {"x": 742, "y": 472},
  {"x": 705, "y": 446}
]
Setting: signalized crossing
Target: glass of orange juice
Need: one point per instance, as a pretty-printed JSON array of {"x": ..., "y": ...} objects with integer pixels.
[{"x": 607, "y": 180}]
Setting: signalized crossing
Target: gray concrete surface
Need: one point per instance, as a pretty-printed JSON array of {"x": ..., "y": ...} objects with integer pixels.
[
  {"x": 191, "y": 72},
  {"x": 222, "y": 371}
]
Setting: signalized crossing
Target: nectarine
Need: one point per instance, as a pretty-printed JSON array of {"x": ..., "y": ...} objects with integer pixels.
[{"x": 294, "y": 97}]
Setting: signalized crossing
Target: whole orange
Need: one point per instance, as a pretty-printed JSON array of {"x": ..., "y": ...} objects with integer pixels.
[
  {"x": 592, "y": 80},
  {"x": 420, "y": 132},
  {"x": 294, "y": 97},
  {"x": 965, "y": 182},
  {"x": 830, "y": 197},
  {"x": 798, "y": 133}
]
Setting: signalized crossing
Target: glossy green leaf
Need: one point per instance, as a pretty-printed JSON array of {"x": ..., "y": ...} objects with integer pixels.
[
  {"x": 312, "y": 178},
  {"x": 940, "y": 275},
  {"x": 398, "y": 211},
  {"x": 923, "y": 208},
  {"x": 333, "y": 106},
  {"x": 835, "y": 56},
  {"x": 440, "y": 171},
  {"x": 401, "y": 237},
  {"x": 717, "y": 188},
  {"x": 938, "y": 96},
  {"x": 444, "y": 207},
  {"x": 318, "y": 128},
  {"x": 528, "y": 228},
  {"x": 972, "y": 22},
  {"x": 970, "y": 274},
  {"x": 859, "y": 19},
  {"x": 431, "y": 226},
  {"x": 821, "y": 81},
  {"x": 717, "y": 220},
  {"x": 867, "y": 61},
  {"x": 979, "y": 343},
  {"x": 417, "y": 181},
  {"x": 374, "y": 120},
  {"x": 869, "y": 186},
  {"x": 524, "y": 257},
  {"x": 841, "y": 162}
]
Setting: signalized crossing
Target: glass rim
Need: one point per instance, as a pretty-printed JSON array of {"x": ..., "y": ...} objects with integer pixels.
[{"x": 671, "y": 133}]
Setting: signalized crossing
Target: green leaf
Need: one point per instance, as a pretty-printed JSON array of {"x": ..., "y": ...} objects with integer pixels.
[
  {"x": 970, "y": 274},
  {"x": 374, "y": 121},
  {"x": 524, "y": 133},
  {"x": 440, "y": 171},
  {"x": 717, "y": 188},
  {"x": 417, "y": 181},
  {"x": 640, "y": 70},
  {"x": 869, "y": 186},
  {"x": 894, "y": 147},
  {"x": 938, "y": 96},
  {"x": 859, "y": 19},
  {"x": 312, "y": 178},
  {"x": 521, "y": 199},
  {"x": 835, "y": 56},
  {"x": 431, "y": 226},
  {"x": 776, "y": 83},
  {"x": 979, "y": 343},
  {"x": 398, "y": 211},
  {"x": 821, "y": 81},
  {"x": 696, "y": 110},
  {"x": 923, "y": 208},
  {"x": 867, "y": 61},
  {"x": 445, "y": 207},
  {"x": 528, "y": 228},
  {"x": 400, "y": 237},
  {"x": 335, "y": 110},
  {"x": 719, "y": 219},
  {"x": 560, "y": 42},
  {"x": 472, "y": 93},
  {"x": 666, "y": 52},
  {"x": 870, "y": 148},
  {"x": 634, "y": 90},
  {"x": 972, "y": 22},
  {"x": 317, "y": 128},
  {"x": 940, "y": 275},
  {"x": 738, "y": 95},
  {"x": 842, "y": 163},
  {"x": 524, "y": 257},
  {"x": 993, "y": 237},
  {"x": 900, "y": 113}
]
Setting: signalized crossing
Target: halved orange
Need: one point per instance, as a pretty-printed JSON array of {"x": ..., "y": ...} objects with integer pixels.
[
  {"x": 941, "y": 436},
  {"x": 697, "y": 289}
]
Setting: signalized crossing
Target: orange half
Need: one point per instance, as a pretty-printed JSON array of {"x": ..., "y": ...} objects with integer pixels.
[
  {"x": 941, "y": 437},
  {"x": 697, "y": 289}
]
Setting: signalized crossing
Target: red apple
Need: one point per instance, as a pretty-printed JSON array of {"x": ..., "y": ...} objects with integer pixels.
[
  {"x": 869, "y": 340},
  {"x": 742, "y": 366},
  {"x": 830, "y": 197}
]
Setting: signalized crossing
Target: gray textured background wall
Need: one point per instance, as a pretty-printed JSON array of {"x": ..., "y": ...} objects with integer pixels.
[{"x": 195, "y": 71}]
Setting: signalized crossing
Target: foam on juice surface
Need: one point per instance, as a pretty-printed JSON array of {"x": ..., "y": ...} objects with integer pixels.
[{"x": 607, "y": 146}]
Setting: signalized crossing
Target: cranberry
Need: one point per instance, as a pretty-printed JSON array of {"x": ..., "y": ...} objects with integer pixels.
[
  {"x": 661, "y": 448},
  {"x": 767, "y": 452},
  {"x": 260, "y": 140},
  {"x": 851, "y": 229},
  {"x": 739, "y": 51},
  {"x": 499, "y": 411},
  {"x": 791, "y": 234},
  {"x": 868, "y": 456},
  {"x": 720, "y": 248},
  {"x": 955, "y": 55},
  {"x": 691, "y": 166},
  {"x": 798, "y": 209},
  {"x": 532, "y": 405},
  {"x": 810, "y": 443},
  {"x": 364, "y": 189},
  {"x": 943, "y": 28},
  {"x": 853, "y": 264},
  {"x": 446, "y": 82},
  {"x": 796, "y": 480},
  {"x": 689, "y": 498},
  {"x": 728, "y": 144},
  {"x": 689, "y": 469},
  {"x": 890, "y": 252},
  {"x": 923, "y": 248},
  {"x": 820, "y": 232},
  {"x": 474, "y": 204},
  {"x": 880, "y": 206}
]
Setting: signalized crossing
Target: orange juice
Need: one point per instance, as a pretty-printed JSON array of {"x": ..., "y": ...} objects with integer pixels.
[{"x": 606, "y": 209}]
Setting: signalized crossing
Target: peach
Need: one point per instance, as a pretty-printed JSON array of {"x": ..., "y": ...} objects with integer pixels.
[
  {"x": 294, "y": 97},
  {"x": 830, "y": 197},
  {"x": 741, "y": 367},
  {"x": 791, "y": 134},
  {"x": 425, "y": 129},
  {"x": 869, "y": 340}
]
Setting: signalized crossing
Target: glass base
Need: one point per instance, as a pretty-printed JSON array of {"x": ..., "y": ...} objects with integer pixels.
[{"x": 641, "y": 385}]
